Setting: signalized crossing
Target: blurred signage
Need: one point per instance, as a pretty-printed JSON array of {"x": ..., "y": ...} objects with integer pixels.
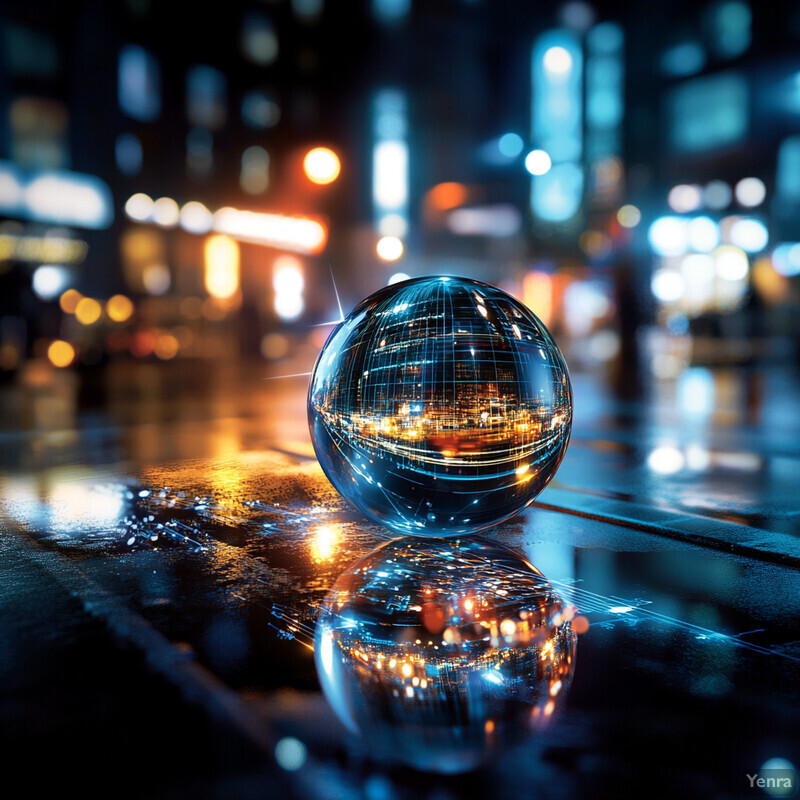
[
  {"x": 55, "y": 196},
  {"x": 42, "y": 249},
  {"x": 298, "y": 234},
  {"x": 708, "y": 113}
]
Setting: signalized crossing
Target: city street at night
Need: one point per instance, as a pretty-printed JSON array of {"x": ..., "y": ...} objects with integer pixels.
[{"x": 400, "y": 399}]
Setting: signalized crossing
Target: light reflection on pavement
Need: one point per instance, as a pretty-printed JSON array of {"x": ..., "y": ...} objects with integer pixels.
[{"x": 693, "y": 634}]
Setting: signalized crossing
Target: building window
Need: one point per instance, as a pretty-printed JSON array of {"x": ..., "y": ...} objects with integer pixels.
[{"x": 139, "y": 83}]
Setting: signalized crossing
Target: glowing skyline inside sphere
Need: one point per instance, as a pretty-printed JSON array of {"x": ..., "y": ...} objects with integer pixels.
[{"x": 440, "y": 406}]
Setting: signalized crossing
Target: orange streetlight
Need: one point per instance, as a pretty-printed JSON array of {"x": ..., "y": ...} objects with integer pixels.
[{"x": 322, "y": 165}]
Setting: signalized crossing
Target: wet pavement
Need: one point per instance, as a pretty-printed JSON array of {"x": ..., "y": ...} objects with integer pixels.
[{"x": 165, "y": 555}]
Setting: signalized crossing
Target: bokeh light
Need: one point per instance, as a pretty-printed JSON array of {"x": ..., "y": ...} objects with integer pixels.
[
  {"x": 685, "y": 198},
  {"x": 703, "y": 234},
  {"x": 287, "y": 275},
  {"x": 717, "y": 195},
  {"x": 274, "y": 346},
  {"x": 629, "y": 216},
  {"x": 166, "y": 346},
  {"x": 254, "y": 175},
  {"x": 289, "y": 306},
  {"x": 166, "y": 212},
  {"x": 669, "y": 236},
  {"x": 290, "y": 753},
  {"x": 88, "y": 311},
  {"x": 322, "y": 165},
  {"x": 196, "y": 218},
  {"x": 288, "y": 283},
  {"x": 750, "y": 192},
  {"x": 786, "y": 259},
  {"x": 389, "y": 248},
  {"x": 667, "y": 285},
  {"x": 447, "y": 195},
  {"x": 510, "y": 145},
  {"x": 538, "y": 162},
  {"x": 697, "y": 268},
  {"x": 156, "y": 279},
  {"x": 222, "y": 266},
  {"x": 750, "y": 235},
  {"x": 50, "y": 280},
  {"x": 139, "y": 207},
  {"x": 69, "y": 301},
  {"x": 119, "y": 308},
  {"x": 60, "y": 353},
  {"x": 393, "y": 225},
  {"x": 577, "y": 15},
  {"x": 259, "y": 40},
  {"x": 731, "y": 263},
  {"x": 666, "y": 460},
  {"x": 557, "y": 60}
]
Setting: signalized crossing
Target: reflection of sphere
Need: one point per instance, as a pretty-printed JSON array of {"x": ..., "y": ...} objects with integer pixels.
[
  {"x": 440, "y": 406},
  {"x": 441, "y": 651}
]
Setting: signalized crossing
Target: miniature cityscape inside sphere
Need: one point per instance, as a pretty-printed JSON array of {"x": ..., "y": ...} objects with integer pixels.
[
  {"x": 441, "y": 652},
  {"x": 440, "y": 406}
]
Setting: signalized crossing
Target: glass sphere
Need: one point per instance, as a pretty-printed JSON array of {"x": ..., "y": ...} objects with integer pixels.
[
  {"x": 440, "y": 406},
  {"x": 441, "y": 652}
]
